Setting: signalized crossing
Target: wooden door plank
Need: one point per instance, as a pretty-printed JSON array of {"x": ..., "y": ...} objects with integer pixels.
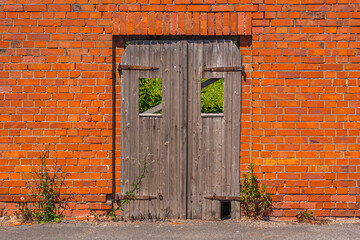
[
  {"x": 172, "y": 158},
  {"x": 125, "y": 136},
  {"x": 189, "y": 133},
  {"x": 236, "y": 126},
  {"x": 165, "y": 72},
  {"x": 222, "y": 161},
  {"x": 197, "y": 135},
  {"x": 143, "y": 142},
  {"x": 228, "y": 119},
  {"x": 218, "y": 157},
  {"x": 193, "y": 131},
  {"x": 174, "y": 177},
  {"x": 202, "y": 170},
  {"x": 158, "y": 182},
  {"x": 202, "y": 174},
  {"x": 143, "y": 60},
  {"x": 206, "y": 160},
  {"x": 195, "y": 75},
  {"x": 157, "y": 144},
  {"x": 134, "y": 142},
  {"x": 182, "y": 125}
]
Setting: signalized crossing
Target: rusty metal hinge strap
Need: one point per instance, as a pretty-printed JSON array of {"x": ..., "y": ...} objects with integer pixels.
[
  {"x": 123, "y": 197},
  {"x": 223, "y": 69},
  {"x": 223, "y": 198},
  {"x": 134, "y": 67}
]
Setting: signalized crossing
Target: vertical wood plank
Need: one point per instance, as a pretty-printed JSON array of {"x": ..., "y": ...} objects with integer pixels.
[
  {"x": 190, "y": 130},
  {"x": 134, "y": 142},
  {"x": 143, "y": 142},
  {"x": 174, "y": 190},
  {"x": 125, "y": 120},
  {"x": 228, "y": 120},
  {"x": 165, "y": 73},
  {"x": 143, "y": 129},
  {"x": 204, "y": 166},
  {"x": 182, "y": 125},
  {"x": 158, "y": 182},
  {"x": 195, "y": 67},
  {"x": 199, "y": 64},
  {"x": 236, "y": 126},
  {"x": 157, "y": 143},
  {"x": 217, "y": 183}
]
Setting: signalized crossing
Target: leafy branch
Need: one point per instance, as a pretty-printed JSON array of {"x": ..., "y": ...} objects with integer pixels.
[
  {"x": 134, "y": 188},
  {"x": 47, "y": 202},
  {"x": 256, "y": 202}
]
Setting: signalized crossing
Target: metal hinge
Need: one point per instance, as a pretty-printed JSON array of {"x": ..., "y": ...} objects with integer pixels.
[
  {"x": 144, "y": 197},
  {"x": 224, "y": 69},
  {"x": 223, "y": 198},
  {"x": 134, "y": 67}
]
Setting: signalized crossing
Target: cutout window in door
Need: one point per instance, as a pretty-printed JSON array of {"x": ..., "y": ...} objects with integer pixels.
[
  {"x": 150, "y": 96},
  {"x": 212, "y": 95}
]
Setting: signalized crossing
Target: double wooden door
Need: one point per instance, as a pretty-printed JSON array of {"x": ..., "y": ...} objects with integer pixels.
[{"x": 194, "y": 157}]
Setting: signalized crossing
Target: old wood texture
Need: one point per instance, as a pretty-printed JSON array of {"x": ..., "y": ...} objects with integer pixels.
[
  {"x": 192, "y": 156},
  {"x": 214, "y": 142}
]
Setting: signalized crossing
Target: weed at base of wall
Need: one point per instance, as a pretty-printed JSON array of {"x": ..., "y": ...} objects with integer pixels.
[
  {"x": 45, "y": 204},
  {"x": 255, "y": 201}
]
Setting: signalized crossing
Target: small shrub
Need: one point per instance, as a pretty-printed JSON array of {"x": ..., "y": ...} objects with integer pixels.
[
  {"x": 45, "y": 204},
  {"x": 256, "y": 202},
  {"x": 306, "y": 217},
  {"x": 130, "y": 194}
]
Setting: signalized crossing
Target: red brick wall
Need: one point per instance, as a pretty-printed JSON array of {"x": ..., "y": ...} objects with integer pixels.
[
  {"x": 305, "y": 104},
  {"x": 56, "y": 87},
  {"x": 300, "y": 115}
]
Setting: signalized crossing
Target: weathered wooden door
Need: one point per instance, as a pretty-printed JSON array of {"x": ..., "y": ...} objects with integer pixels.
[{"x": 195, "y": 156}]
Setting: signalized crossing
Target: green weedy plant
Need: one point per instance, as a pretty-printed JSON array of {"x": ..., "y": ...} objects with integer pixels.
[
  {"x": 256, "y": 202},
  {"x": 306, "y": 217},
  {"x": 46, "y": 204},
  {"x": 135, "y": 187}
]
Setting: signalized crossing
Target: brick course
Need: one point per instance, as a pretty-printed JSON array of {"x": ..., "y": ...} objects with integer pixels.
[{"x": 300, "y": 113}]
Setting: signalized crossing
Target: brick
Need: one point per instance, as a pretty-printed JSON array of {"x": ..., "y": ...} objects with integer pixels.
[
  {"x": 129, "y": 8},
  {"x": 282, "y": 22},
  {"x": 151, "y": 22},
  {"x": 188, "y": 23},
  {"x": 203, "y": 23},
  {"x": 198, "y": 8},
  {"x": 173, "y": 24},
  {"x": 59, "y": 8},
  {"x": 196, "y": 23},
  {"x": 12, "y": 8},
  {"x": 222, "y": 8},
  {"x": 246, "y": 8},
  {"x": 342, "y": 213},
  {"x": 35, "y": 8},
  {"x": 137, "y": 23}
]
